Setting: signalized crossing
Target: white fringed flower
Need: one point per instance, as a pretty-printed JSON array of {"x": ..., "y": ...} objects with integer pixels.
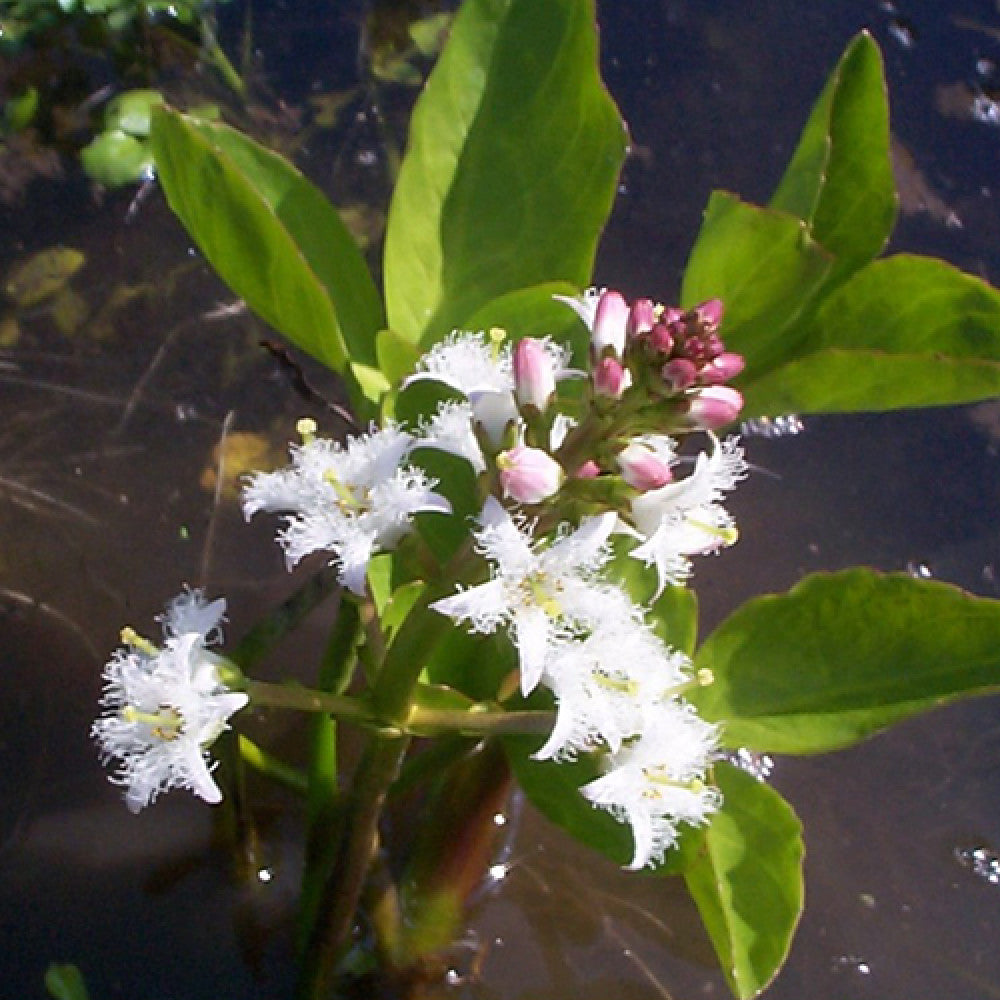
[
  {"x": 603, "y": 681},
  {"x": 353, "y": 500},
  {"x": 165, "y": 707},
  {"x": 481, "y": 368},
  {"x": 657, "y": 781},
  {"x": 685, "y": 517},
  {"x": 451, "y": 430},
  {"x": 541, "y": 592}
]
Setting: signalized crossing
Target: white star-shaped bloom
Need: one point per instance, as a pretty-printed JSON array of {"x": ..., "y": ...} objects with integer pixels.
[
  {"x": 656, "y": 782},
  {"x": 541, "y": 592},
  {"x": 603, "y": 681},
  {"x": 165, "y": 707},
  {"x": 685, "y": 517},
  {"x": 353, "y": 500}
]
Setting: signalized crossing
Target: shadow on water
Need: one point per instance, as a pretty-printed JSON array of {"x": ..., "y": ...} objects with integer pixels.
[{"x": 104, "y": 510}]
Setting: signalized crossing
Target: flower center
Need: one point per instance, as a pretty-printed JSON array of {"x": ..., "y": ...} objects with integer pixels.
[
  {"x": 165, "y": 723},
  {"x": 543, "y": 593}
]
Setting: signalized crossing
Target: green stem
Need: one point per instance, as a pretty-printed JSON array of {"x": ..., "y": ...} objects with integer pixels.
[
  {"x": 475, "y": 721},
  {"x": 264, "y": 694},
  {"x": 342, "y": 890},
  {"x": 257, "y": 643},
  {"x": 266, "y": 763}
]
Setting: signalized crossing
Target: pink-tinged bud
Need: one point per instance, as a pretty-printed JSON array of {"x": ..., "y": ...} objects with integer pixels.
[
  {"x": 589, "y": 470},
  {"x": 534, "y": 373},
  {"x": 710, "y": 314},
  {"x": 661, "y": 338},
  {"x": 611, "y": 378},
  {"x": 528, "y": 475},
  {"x": 610, "y": 323},
  {"x": 679, "y": 374},
  {"x": 714, "y": 407},
  {"x": 641, "y": 317},
  {"x": 641, "y": 469},
  {"x": 721, "y": 369}
]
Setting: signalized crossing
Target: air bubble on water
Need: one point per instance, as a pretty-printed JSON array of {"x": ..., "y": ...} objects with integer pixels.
[
  {"x": 367, "y": 158},
  {"x": 984, "y": 109},
  {"x": 772, "y": 427},
  {"x": 265, "y": 875},
  {"x": 919, "y": 570},
  {"x": 985, "y": 67},
  {"x": 183, "y": 412},
  {"x": 453, "y": 977},
  {"x": 759, "y": 765},
  {"x": 852, "y": 963},
  {"x": 902, "y": 32},
  {"x": 981, "y": 861}
]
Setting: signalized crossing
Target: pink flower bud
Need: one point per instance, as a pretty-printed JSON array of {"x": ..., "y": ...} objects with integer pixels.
[
  {"x": 710, "y": 314},
  {"x": 528, "y": 475},
  {"x": 589, "y": 470},
  {"x": 610, "y": 323},
  {"x": 714, "y": 407},
  {"x": 679, "y": 374},
  {"x": 661, "y": 338},
  {"x": 641, "y": 317},
  {"x": 611, "y": 378},
  {"x": 642, "y": 469},
  {"x": 534, "y": 373},
  {"x": 721, "y": 369}
]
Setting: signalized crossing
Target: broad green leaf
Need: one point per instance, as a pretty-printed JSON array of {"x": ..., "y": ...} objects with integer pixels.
[
  {"x": 840, "y": 177},
  {"x": 841, "y": 656},
  {"x": 903, "y": 331},
  {"x": 764, "y": 266},
  {"x": 511, "y": 165},
  {"x": 746, "y": 879},
  {"x": 272, "y": 236}
]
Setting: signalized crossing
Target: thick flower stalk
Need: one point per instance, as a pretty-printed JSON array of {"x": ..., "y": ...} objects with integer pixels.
[{"x": 164, "y": 707}]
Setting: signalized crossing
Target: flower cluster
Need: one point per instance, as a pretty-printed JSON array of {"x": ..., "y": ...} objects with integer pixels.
[
  {"x": 566, "y": 479},
  {"x": 617, "y": 688},
  {"x": 164, "y": 707}
]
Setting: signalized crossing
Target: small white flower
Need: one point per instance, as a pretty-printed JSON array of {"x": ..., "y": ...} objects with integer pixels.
[
  {"x": 481, "y": 368},
  {"x": 541, "y": 592},
  {"x": 603, "y": 681},
  {"x": 657, "y": 781},
  {"x": 165, "y": 707},
  {"x": 685, "y": 517},
  {"x": 354, "y": 500}
]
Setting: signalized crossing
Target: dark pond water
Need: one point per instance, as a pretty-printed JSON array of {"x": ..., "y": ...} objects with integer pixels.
[{"x": 107, "y": 431}]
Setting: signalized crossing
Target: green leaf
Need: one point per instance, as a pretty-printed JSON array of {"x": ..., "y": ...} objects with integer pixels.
[
  {"x": 903, "y": 331},
  {"x": 840, "y": 177},
  {"x": 131, "y": 111},
  {"x": 533, "y": 312},
  {"x": 746, "y": 879},
  {"x": 273, "y": 237},
  {"x": 510, "y": 171},
  {"x": 764, "y": 266},
  {"x": 114, "y": 158},
  {"x": 65, "y": 982},
  {"x": 841, "y": 656}
]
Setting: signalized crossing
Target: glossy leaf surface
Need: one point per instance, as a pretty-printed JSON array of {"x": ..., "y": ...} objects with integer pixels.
[
  {"x": 272, "y": 236},
  {"x": 510, "y": 170},
  {"x": 745, "y": 875},
  {"x": 843, "y": 655}
]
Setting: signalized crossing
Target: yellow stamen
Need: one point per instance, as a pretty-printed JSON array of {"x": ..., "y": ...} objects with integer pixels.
[
  {"x": 726, "y": 535},
  {"x": 130, "y": 637},
  {"x": 165, "y": 724},
  {"x": 306, "y": 429}
]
